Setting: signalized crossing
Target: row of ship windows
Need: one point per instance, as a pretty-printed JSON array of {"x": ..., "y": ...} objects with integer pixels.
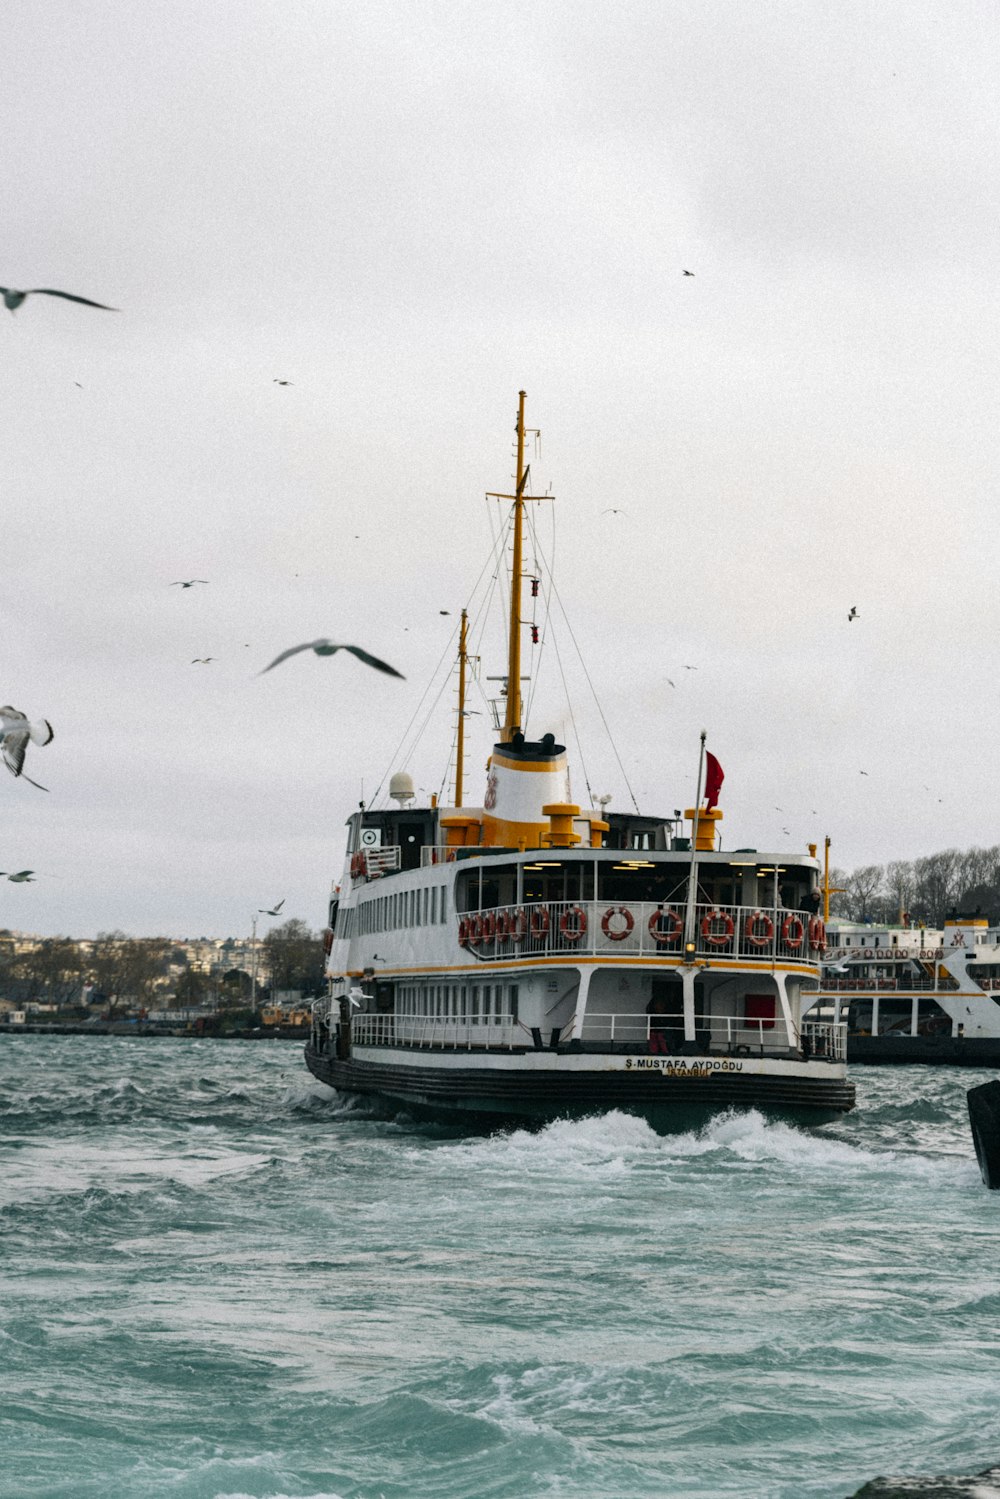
[
  {"x": 404, "y": 908},
  {"x": 478, "y": 1004}
]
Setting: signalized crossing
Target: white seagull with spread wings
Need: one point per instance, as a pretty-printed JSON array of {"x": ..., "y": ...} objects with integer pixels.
[
  {"x": 15, "y": 731},
  {"x": 329, "y": 648}
]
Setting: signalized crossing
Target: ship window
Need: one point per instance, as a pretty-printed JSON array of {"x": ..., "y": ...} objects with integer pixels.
[
  {"x": 444, "y": 903},
  {"x": 474, "y": 1008},
  {"x": 512, "y": 1003}
]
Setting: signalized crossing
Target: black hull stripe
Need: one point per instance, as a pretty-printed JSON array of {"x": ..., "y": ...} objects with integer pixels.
[{"x": 555, "y": 1092}]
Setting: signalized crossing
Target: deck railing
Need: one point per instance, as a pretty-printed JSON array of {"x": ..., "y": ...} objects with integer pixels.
[
  {"x": 439, "y": 1032},
  {"x": 893, "y": 986},
  {"x": 716, "y": 1035},
  {"x": 640, "y": 929}
]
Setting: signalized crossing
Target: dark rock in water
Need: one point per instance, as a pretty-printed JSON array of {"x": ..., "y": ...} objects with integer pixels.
[
  {"x": 984, "y": 1117},
  {"x": 947, "y": 1486}
]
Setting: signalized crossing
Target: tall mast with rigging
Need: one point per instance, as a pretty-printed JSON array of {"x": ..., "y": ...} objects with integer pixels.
[
  {"x": 512, "y": 722},
  {"x": 460, "y": 740}
]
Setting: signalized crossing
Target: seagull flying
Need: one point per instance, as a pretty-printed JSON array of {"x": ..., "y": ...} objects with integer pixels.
[
  {"x": 329, "y": 648},
  {"x": 687, "y": 273},
  {"x": 862, "y": 772},
  {"x": 189, "y": 584},
  {"x": 15, "y": 731},
  {"x": 272, "y": 910},
  {"x": 614, "y": 512},
  {"x": 203, "y": 660},
  {"x": 22, "y": 877},
  {"x": 853, "y": 614},
  {"x": 281, "y": 382},
  {"x": 13, "y": 299}
]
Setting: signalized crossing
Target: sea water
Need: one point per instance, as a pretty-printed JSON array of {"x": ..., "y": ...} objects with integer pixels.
[{"x": 220, "y": 1278}]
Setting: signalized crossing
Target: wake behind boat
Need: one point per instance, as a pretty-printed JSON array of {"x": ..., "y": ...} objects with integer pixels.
[{"x": 529, "y": 958}]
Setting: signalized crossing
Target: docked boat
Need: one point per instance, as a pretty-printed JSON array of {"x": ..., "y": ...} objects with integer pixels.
[
  {"x": 913, "y": 994},
  {"x": 529, "y": 958}
]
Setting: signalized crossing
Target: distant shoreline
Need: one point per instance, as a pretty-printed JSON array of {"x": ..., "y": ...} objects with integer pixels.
[{"x": 141, "y": 1032}]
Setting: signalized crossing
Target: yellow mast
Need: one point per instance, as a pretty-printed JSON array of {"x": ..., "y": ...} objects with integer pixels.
[
  {"x": 827, "y": 888},
  {"x": 460, "y": 748},
  {"x": 513, "y": 720}
]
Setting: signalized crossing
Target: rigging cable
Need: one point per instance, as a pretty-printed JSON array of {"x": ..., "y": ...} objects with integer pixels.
[{"x": 593, "y": 690}]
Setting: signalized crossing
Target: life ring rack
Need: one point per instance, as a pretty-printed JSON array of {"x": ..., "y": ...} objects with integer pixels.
[
  {"x": 627, "y": 917},
  {"x": 817, "y": 934},
  {"x": 792, "y": 931},
  {"x": 538, "y": 923},
  {"x": 572, "y": 924},
  {"x": 660, "y": 934},
  {"x": 717, "y": 939},
  {"x": 756, "y": 934}
]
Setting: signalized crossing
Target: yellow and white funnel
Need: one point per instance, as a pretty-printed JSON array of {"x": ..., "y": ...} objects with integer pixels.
[{"x": 525, "y": 779}]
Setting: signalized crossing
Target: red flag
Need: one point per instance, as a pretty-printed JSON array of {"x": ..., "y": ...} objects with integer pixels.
[{"x": 714, "y": 778}]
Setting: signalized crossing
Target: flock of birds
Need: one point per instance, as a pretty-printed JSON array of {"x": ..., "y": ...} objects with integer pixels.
[{"x": 16, "y": 731}]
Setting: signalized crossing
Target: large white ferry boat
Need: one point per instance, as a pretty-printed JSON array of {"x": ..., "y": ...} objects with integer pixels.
[
  {"x": 529, "y": 957},
  {"x": 915, "y": 994}
]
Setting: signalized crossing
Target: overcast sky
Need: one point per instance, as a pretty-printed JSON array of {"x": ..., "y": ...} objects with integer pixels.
[{"x": 410, "y": 212}]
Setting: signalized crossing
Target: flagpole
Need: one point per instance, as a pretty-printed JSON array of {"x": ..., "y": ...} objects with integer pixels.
[{"x": 689, "y": 914}]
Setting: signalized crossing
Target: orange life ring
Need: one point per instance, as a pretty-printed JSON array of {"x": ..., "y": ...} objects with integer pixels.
[
  {"x": 817, "y": 934},
  {"x": 327, "y": 942},
  {"x": 753, "y": 936},
  {"x": 717, "y": 939},
  {"x": 539, "y": 922},
  {"x": 575, "y": 932},
  {"x": 464, "y": 932},
  {"x": 660, "y": 934},
  {"x": 606, "y": 923},
  {"x": 476, "y": 927},
  {"x": 517, "y": 924},
  {"x": 792, "y": 924},
  {"x": 489, "y": 926}
]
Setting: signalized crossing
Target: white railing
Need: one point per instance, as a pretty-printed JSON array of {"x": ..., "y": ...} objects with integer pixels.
[
  {"x": 825, "y": 1038},
  {"x": 715, "y": 1034},
  {"x": 665, "y": 1033},
  {"x": 891, "y": 986},
  {"x": 449, "y": 1033},
  {"x": 641, "y": 929}
]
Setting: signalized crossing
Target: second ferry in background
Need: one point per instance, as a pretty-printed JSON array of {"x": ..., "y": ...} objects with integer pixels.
[{"x": 528, "y": 957}]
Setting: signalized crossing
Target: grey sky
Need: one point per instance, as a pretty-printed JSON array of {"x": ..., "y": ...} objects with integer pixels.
[{"x": 410, "y": 212}]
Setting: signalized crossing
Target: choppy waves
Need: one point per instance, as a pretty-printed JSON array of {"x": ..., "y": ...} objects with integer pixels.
[{"x": 222, "y": 1279}]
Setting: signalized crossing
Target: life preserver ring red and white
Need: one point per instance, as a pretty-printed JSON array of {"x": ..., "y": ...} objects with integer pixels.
[
  {"x": 792, "y": 930},
  {"x": 517, "y": 924},
  {"x": 489, "y": 926},
  {"x": 817, "y": 934},
  {"x": 327, "y": 941},
  {"x": 713, "y": 938},
  {"x": 759, "y": 929},
  {"x": 464, "y": 931},
  {"x": 538, "y": 922},
  {"x": 572, "y": 923},
  {"x": 617, "y": 934},
  {"x": 661, "y": 933}
]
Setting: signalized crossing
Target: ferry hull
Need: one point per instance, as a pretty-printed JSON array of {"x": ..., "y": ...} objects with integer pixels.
[{"x": 670, "y": 1101}]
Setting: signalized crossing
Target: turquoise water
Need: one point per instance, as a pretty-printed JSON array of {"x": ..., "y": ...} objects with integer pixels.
[{"x": 221, "y": 1279}]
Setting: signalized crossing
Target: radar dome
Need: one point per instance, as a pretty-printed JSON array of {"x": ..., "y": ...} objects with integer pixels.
[{"x": 401, "y": 788}]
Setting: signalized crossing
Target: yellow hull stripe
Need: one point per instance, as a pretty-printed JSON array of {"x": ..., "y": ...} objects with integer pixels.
[{"x": 517, "y": 965}]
